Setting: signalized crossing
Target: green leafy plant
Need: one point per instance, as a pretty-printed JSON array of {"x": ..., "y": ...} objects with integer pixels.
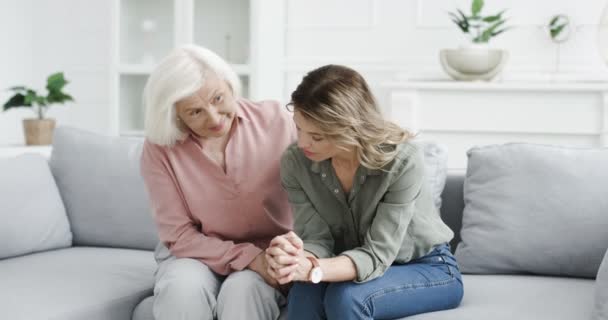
[
  {"x": 480, "y": 28},
  {"x": 27, "y": 97},
  {"x": 557, "y": 25}
]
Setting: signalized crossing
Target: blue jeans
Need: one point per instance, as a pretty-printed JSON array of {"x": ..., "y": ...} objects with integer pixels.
[{"x": 430, "y": 283}]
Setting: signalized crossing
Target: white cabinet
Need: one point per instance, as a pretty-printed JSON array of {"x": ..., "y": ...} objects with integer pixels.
[
  {"x": 249, "y": 34},
  {"x": 461, "y": 115}
]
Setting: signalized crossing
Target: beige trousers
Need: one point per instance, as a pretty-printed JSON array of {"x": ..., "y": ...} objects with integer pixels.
[{"x": 187, "y": 289}]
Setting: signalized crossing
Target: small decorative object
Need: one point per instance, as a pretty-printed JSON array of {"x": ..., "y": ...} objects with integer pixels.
[
  {"x": 148, "y": 27},
  {"x": 559, "y": 30},
  {"x": 476, "y": 61},
  {"x": 39, "y": 131}
]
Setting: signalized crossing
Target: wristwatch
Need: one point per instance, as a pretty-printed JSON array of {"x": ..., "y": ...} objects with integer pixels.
[{"x": 316, "y": 274}]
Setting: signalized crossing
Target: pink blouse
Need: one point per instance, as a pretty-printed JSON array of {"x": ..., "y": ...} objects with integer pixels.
[{"x": 223, "y": 219}]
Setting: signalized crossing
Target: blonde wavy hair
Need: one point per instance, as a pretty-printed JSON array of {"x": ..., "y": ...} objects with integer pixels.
[{"x": 339, "y": 102}]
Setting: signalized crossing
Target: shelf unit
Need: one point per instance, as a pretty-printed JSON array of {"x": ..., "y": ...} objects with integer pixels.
[
  {"x": 249, "y": 34},
  {"x": 461, "y": 114}
]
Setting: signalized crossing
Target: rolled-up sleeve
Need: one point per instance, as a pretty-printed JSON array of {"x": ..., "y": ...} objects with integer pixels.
[
  {"x": 308, "y": 224},
  {"x": 177, "y": 230},
  {"x": 394, "y": 213}
]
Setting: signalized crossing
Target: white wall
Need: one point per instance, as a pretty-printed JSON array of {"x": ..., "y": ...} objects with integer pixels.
[
  {"x": 16, "y": 59},
  {"x": 384, "y": 39},
  {"x": 48, "y": 36},
  {"x": 78, "y": 45}
]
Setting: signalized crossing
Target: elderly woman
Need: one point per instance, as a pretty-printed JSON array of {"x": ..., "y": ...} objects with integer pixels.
[
  {"x": 369, "y": 242},
  {"x": 210, "y": 163}
]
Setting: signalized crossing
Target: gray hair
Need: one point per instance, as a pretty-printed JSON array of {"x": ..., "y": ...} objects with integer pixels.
[{"x": 178, "y": 76}]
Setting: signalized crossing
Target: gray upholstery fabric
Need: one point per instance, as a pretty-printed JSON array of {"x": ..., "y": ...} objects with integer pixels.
[
  {"x": 499, "y": 297},
  {"x": 600, "y": 310},
  {"x": 32, "y": 216},
  {"x": 75, "y": 283},
  {"x": 511, "y": 297},
  {"x": 453, "y": 204},
  {"x": 535, "y": 209},
  {"x": 436, "y": 168},
  {"x": 143, "y": 311},
  {"x": 102, "y": 189}
]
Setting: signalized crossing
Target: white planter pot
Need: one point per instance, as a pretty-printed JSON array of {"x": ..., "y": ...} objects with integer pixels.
[{"x": 474, "y": 62}]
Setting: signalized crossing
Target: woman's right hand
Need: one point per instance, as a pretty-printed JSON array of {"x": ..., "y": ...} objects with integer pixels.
[
  {"x": 260, "y": 265},
  {"x": 284, "y": 256}
]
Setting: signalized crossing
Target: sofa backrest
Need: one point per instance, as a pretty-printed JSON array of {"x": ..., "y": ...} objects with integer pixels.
[
  {"x": 106, "y": 201},
  {"x": 103, "y": 192},
  {"x": 453, "y": 204}
]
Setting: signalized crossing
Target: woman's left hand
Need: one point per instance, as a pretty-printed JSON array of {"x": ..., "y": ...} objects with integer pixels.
[{"x": 286, "y": 259}]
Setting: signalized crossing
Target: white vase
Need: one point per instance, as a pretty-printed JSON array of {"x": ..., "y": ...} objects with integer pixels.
[{"x": 473, "y": 62}]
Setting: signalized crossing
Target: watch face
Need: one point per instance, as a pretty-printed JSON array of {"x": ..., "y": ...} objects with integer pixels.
[{"x": 316, "y": 275}]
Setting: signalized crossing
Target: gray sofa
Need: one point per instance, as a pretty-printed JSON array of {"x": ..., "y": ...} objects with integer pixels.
[{"x": 106, "y": 269}]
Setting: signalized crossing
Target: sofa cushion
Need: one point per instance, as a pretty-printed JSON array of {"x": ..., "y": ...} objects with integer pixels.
[
  {"x": 436, "y": 168},
  {"x": 534, "y": 209},
  {"x": 76, "y": 283},
  {"x": 102, "y": 189},
  {"x": 32, "y": 214},
  {"x": 498, "y": 298},
  {"x": 600, "y": 311},
  {"x": 508, "y": 297}
]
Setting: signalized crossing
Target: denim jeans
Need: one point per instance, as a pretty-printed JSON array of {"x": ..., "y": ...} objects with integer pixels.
[{"x": 430, "y": 283}]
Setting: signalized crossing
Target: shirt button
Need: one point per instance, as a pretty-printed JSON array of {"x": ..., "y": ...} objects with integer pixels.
[
  {"x": 336, "y": 190},
  {"x": 323, "y": 175}
]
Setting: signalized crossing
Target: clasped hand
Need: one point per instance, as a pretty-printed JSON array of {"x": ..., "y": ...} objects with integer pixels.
[{"x": 287, "y": 260}]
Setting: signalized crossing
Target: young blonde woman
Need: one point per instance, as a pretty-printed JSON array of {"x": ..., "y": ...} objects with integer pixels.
[{"x": 369, "y": 242}]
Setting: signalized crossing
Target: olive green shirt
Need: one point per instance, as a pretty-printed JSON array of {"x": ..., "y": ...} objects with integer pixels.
[{"x": 388, "y": 216}]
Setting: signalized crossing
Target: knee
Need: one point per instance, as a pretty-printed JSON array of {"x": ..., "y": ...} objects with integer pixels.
[
  {"x": 341, "y": 299},
  {"x": 245, "y": 284},
  {"x": 185, "y": 280}
]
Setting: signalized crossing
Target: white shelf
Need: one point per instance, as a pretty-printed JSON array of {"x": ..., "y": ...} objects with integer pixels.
[
  {"x": 248, "y": 34},
  {"x": 224, "y": 27},
  {"x": 146, "y": 69},
  {"x": 499, "y": 86},
  {"x": 466, "y": 114}
]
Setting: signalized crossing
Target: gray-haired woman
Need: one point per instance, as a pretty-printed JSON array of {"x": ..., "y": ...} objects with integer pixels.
[{"x": 211, "y": 166}]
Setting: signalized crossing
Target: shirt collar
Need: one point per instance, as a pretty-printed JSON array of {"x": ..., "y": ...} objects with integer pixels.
[{"x": 240, "y": 113}]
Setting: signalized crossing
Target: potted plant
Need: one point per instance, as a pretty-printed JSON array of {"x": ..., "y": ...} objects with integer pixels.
[
  {"x": 39, "y": 131},
  {"x": 476, "y": 60}
]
